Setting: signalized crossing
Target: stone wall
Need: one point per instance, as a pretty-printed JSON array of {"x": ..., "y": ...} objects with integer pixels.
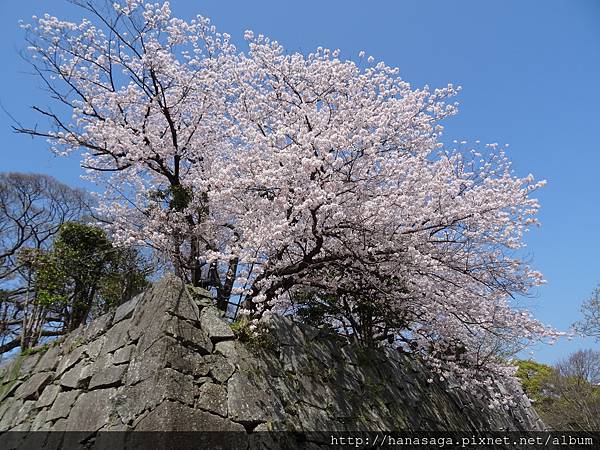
[{"x": 166, "y": 360}]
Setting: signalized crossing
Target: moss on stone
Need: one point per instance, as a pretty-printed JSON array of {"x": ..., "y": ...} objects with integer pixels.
[{"x": 32, "y": 351}]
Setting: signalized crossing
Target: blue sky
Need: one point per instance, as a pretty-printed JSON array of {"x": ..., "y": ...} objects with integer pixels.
[{"x": 529, "y": 72}]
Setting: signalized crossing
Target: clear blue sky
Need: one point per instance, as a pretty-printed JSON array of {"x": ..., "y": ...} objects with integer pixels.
[{"x": 529, "y": 69}]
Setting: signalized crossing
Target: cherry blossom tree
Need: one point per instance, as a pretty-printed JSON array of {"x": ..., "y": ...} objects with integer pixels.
[{"x": 291, "y": 183}]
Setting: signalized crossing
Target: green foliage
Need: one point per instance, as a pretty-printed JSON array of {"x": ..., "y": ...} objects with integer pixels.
[
  {"x": 534, "y": 378},
  {"x": 125, "y": 275},
  {"x": 259, "y": 338},
  {"x": 83, "y": 272},
  {"x": 176, "y": 197},
  {"x": 563, "y": 401},
  {"x": 32, "y": 351}
]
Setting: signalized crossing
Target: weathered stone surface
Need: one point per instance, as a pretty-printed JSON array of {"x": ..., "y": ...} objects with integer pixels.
[
  {"x": 212, "y": 398},
  {"x": 23, "y": 413},
  {"x": 174, "y": 416},
  {"x": 48, "y": 396},
  {"x": 229, "y": 349},
  {"x": 220, "y": 368},
  {"x": 95, "y": 347},
  {"x": 71, "y": 358},
  {"x": 5, "y": 405},
  {"x": 125, "y": 311},
  {"x": 49, "y": 360},
  {"x": 28, "y": 363},
  {"x": 181, "y": 307},
  {"x": 9, "y": 417},
  {"x": 189, "y": 335},
  {"x": 109, "y": 377},
  {"x": 33, "y": 387},
  {"x": 117, "y": 336},
  {"x": 39, "y": 421},
  {"x": 24, "y": 426},
  {"x": 212, "y": 322},
  {"x": 77, "y": 377},
  {"x": 313, "y": 418},
  {"x": 62, "y": 405},
  {"x": 188, "y": 362},
  {"x": 98, "y": 327},
  {"x": 8, "y": 389},
  {"x": 247, "y": 403},
  {"x": 201, "y": 297},
  {"x": 123, "y": 355},
  {"x": 144, "y": 364},
  {"x": 146, "y": 395},
  {"x": 92, "y": 411}
]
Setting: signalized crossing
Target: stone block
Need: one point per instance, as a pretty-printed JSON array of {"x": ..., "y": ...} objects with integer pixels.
[
  {"x": 212, "y": 322},
  {"x": 213, "y": 398},
  {"x": 77, "y": 377},
  {"x": 48, "y": 396},
  {"x": 70, "y": 359},
  {"x": 220, "y": 369},
  {"x": 125, "y": 311},
  {"x": 97, "y": 327},
  {"x": 10, "y": 414},
  {"x": 49, "y": 360},
  {"x": 189, "y": 362},
  {"x": 145, "y": 364},
  {"x": 117, "y": 336},
  {"x": 92, "y": 411},
  {"x": 111, "y": 376},
  {"x": 28, "y": 364},
  {"x": 189, "y": 335},
  {"x": 123, "y": 355},
  {"x": 248, "y": 403},
  {"x": 95, "y": 347},
  {"x": 33, "y": 387},
  {"x": 39, "y": 422},
  {"x": 173, "y": 416},
  {"x": 62, "y": 405},
  {"x": 166, "y": 384}
]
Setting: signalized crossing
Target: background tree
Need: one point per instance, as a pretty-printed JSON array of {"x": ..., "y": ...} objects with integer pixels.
[
  {"x": 534, "y": 379},
  {"x": 590, "y": 324},
  {"x": 56, "y": 273},
  {"x": 84, "y": 272},
  {"x": 32, "y": 209},
  {"x": 567, "y": 395},
  {"x": 279, "y": 179}
]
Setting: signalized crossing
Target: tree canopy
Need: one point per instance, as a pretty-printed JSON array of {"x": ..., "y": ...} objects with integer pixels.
[{"x": 295, "y": 183}]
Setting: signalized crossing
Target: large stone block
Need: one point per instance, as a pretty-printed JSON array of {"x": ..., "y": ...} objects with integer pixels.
[
  {"x": 48, "y": 396},
  {"x": 117, "y": 336},
  {"x": 49, "y": 360},
  {"x": 78, "y": 376},
  {"x": 212, "y": 398},
  {"x": 33, "y": 387},
  {"x": 62, "y": 405},
  {"x": 125, "y": 311},
  {"x": 173, "y": 416},
  {"x": 111, "y": 376},
  {"x": 92, "y": 411},
  {"x": 248, "y": 403},
  {"x": 212, "y": 322},
  {"x": 70, "y": 358},
  {"x": 166, "y": 384},
  {"x": 189, "y": 335}
]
